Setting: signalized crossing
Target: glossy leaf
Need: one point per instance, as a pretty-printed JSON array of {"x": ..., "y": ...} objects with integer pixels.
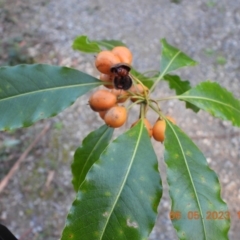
[
  {"x": 148, "y": 82},
  {"x": 83, "y": 44},
  {"x": 109, "y": 44},
  {"x": 90, "y": 151},
  {"x": 216, "y": 100},
  {"x": 29, "y": 93},
  {"x": 180, "y": 86},
  {"x": 120, "y": 194},
  {"x": 194, "y": 190},
  {"x": 173, "y": 58}
]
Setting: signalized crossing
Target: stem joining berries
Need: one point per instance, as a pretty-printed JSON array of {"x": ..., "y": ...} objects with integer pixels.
[{"x": 115, "y": 67}]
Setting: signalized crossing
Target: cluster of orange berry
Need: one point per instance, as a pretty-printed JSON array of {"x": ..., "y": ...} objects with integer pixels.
[{"x": 114, "y": 67}]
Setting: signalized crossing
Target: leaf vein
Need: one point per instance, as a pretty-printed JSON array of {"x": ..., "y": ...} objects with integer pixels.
[
  {"x": 124, "y": 180},
  {"x": 209, "y": 99},
  {"x": 47, "y": 89},
  {"x": 191, "y": 179}
]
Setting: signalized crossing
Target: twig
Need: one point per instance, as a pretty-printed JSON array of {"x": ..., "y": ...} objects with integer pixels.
[
  {"x": 49, "y": 179},
  {"x": 15, "y": 167}
]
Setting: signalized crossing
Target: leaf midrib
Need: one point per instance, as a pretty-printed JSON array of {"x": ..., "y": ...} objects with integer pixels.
[
  {"x": 191, "y": 179},
  {"x": 124, "y": 180},
  {"x": 104, "y": 44},
  {"x": 208, "y": 99},
  {"x": 165, "y": 70},
  {"x": 169, "y": 64},
  {"x": 48, "y": 89}
]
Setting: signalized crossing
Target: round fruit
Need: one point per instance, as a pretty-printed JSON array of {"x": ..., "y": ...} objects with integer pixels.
[
  {"x": 123, "y": 53},
  {"x": 146, "y": 124},
  {"x": 159, "y": 129},
  {"x": 116, "y": 116},
  {"x": 102, "y": 100},
  {"x": 122, "y": 95},
  {"x": 103, "y": 113},
  {"x": 107, "y": 78},
  {"x": 105, "y": 60}
]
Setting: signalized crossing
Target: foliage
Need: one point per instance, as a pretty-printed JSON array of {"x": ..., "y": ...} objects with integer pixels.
[{"x": 38, "y": 91}]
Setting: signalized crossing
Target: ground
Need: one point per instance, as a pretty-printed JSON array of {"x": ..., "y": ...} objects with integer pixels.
[{"x": 34, "y": 205}]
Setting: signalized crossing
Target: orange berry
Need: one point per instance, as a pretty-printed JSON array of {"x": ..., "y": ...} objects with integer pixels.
[
  {"x": 123, "y": 53},
  {"x": 147, "y": 124},
  {"x": 107, "y": 78},
  {"x": 103, "y": 113},
  {"x": 116, "y": 116},
  {"x": 105, "y": 60},
  {"x": 122, "y": 95},
  {"x": 102, "y": 100},
  {"x": 159, "y": 129}
]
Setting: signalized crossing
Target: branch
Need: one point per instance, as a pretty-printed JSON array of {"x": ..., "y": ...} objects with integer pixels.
[{"x": 15, "y": 167}]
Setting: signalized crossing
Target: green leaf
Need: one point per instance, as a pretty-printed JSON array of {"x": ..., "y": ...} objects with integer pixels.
[
  {"x": 180, "y": 86},
  {"x": 110, "y": 44},
  {"x": 90, "y": 151},
  {"x": 148, "y": 82},
  {"x": 216, "y": 100},
  {"x": 194, "y": 190},
  {"x": 83, "y": 44},
  {"x": 177, "y": 84},
  {"x": 29, "y": 93},
  {"x": 172, "y": 58},
  {"x": 120, "y": 194}
]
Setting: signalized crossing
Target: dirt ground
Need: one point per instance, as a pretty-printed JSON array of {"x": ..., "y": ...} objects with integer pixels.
[{"x": 35, "y": 202}]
